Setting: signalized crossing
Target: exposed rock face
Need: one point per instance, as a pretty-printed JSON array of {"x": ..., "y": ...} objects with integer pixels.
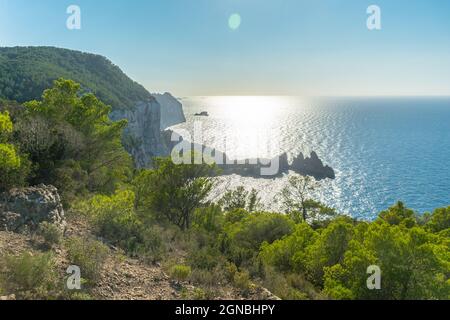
[
  {"x": 312, "y": 166},
  {"x": 171, "y": 110},
  {"x": 142, "y": 137},
  {"x": 24, "y": 209}
]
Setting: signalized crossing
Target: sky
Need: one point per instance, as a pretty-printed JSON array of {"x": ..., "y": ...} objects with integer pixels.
[{"x": 251, "y": 47}]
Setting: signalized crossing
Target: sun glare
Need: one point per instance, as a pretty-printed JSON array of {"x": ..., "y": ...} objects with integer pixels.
[
  {"x": 251, "y": 110},
  {"x": 251, "y": 122}
]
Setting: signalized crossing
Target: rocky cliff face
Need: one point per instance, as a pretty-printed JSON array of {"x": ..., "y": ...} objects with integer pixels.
[
  {"x": 171, "y": 110},
  {"x": 142, "y": 137}
]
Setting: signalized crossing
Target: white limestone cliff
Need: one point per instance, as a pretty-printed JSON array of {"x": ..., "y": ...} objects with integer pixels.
[{"x": 171, "y": 110}]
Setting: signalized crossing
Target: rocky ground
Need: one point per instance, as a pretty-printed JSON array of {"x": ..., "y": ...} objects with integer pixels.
[{"x": 122, "y": 277}]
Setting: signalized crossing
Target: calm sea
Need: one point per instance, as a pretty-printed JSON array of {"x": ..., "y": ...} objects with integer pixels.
[{"x": 382, "y": 149}]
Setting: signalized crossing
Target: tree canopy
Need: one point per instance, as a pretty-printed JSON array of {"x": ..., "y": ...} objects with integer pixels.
[{"x": 25, "y": 72}]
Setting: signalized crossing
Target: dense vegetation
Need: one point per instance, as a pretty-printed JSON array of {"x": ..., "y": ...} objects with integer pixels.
[
  {"x": 25, "y": 72},
  {"x": 310, "y": 252},
  {"x": 69, "y": 140}
]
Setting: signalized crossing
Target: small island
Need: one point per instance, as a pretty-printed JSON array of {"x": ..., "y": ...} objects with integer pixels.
[{"x": 202, "y": 114}]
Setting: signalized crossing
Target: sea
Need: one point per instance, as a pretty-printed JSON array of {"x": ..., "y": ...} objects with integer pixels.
[{"x": 383, "y": 149}]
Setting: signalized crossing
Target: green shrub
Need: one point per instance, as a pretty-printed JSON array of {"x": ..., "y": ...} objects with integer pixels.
[
  {"x": 29, "y": 276},
  {"x": 289, "y": 286},
  {"x": 115, "y": 220},
  {"x": 280, "y": 254},
  {"x": 113, "y": 216},
  {"x": 230, "y": 270},
  {"x": 329, "y": 249},
  {"x": 150, "y": 246},
  {"x": 439, "y": 220},
  {"x": 89, "y": 255},
  {"x": 240, "y": 198},
  {"x": 13, "y": 167},
  {"x": 242, "y": 281},
  {"x": 399, "y": 214},
  {"x": 51, "y": 234},
  {"x": 242, "y": 240},
  {"x": 206, "y": 258},
  {"x": 180, "y": 273},
  {"x": 207, "y": 279},
  {"x": 199, "y": 294}
]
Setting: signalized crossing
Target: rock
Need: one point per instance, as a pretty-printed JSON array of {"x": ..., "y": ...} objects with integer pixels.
[
  {"x": 10, "y": 221},
  {"x": 312, "y": 166},
  {"x": 142, "y": 136},
  {"x": 265, "y": 294},
  {"x": 256, "y": 168},
  {"x": 26, "y": 208},
  {"x": 171, "y": 110},
  {"x": 202, "y": 114},
  {"x": 6, "y": 298}
]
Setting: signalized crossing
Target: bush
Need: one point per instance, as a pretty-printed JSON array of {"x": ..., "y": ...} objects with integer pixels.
[
  {"x": 439, "y": 220},
  {"x": 150, "y": 246},
  {"x": 51, "y": 234},
  {"x": 230, "y": 270},
  {"x": 242, "y": 240},
  {"x": 29, "y": 276},
  {"x": 242, "y": 281},
  {"x": 240, "y": 198},
  {"x": 112, "y": 216},
  {"x": 115, "y": 220},
  {"x": 289, "y": 286},
  {"x": 13, "y": 168},
  {"x": 206, "y": 258},
  {"x": 199, "y": 294},
  {"x": 329, "y": 249},
  {"x": 180, "y": 273},
  {"x": 207, "y": 279},
  {"x": 280, "y": 254},
  {"x": 89, "y": 255}
]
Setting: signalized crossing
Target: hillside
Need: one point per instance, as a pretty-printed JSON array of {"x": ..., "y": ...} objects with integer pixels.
[
  {"x": 113, "y": 274},
  {"x": 25, "y": 72}
]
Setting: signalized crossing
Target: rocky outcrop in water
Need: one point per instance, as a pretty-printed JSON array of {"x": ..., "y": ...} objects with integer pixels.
[
  {"x": 24, "y": 209},
  {"x": 171, "y": 110},
  {"x": 202, "y": 114},
  {"x": 270, "y": 168},
  {"x": 255, "y": 168},
  {"x": 312, "y": 166}
]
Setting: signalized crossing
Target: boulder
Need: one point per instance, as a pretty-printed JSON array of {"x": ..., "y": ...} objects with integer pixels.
[{"x": 25, "y": 208}]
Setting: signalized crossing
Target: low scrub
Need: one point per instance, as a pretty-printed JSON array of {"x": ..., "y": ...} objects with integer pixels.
[
  {"x": 89, "y": 255},
  {"x": 180, "y": 273},
  {"x": 29, "y": 276}
]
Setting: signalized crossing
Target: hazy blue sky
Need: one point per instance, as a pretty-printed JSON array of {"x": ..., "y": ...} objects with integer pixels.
[{"x": 297, "y": 47}]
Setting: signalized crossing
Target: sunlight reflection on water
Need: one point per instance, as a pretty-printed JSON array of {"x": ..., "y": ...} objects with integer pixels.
[{"x": 382, "y": 150}]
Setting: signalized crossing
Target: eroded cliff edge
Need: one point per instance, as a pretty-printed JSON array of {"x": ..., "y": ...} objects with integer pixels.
[{"x": 171, "y": 110}]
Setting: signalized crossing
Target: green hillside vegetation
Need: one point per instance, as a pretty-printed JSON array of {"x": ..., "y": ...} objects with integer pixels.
[
  {"x": 309, "y": 252},
  {"x": 25, "y": 72},
  {"x": 69, "y": 140}
]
